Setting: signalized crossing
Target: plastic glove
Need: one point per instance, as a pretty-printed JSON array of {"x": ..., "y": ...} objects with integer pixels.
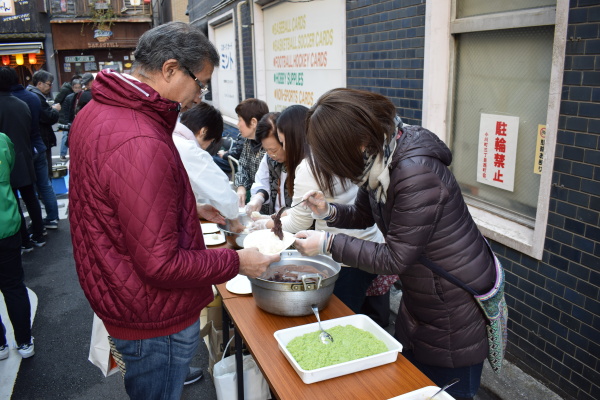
[
  {"x": 310, "y": 243},
  {"x": 255, "y": 203},
  {"x": 255, "y": 216},
  {"x": 259, "y": 224},
  {"x": 315, "y": 200}
]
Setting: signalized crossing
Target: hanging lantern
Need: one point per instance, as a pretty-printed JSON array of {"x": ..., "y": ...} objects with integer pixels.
[
  {"x": 19, "y": 59},
  {"x": 6, "y": 60},
  {"x": 32, "y": 58}
]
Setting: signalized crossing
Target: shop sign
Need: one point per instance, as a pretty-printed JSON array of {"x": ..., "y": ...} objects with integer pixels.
[
  {"x": 72, "y": 59},
  {"x": 67, "y": 67},
  {"x": 539, "y": 149},
  {"x": 7, "y": 7},
  {"x": 102, "y": 35},
  {"x": 304, "y": 51},
  {"x": 103, "y": 45},
  {"x": 497, "y": 155}
]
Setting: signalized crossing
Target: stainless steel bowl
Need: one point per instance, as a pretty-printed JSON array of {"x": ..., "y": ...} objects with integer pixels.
[
  {"x": 235, "y": 239},
  {"x": 295, "y": 299}
]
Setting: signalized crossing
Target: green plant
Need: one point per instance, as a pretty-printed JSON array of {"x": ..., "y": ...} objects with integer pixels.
[{"x": 102, "y": 17}]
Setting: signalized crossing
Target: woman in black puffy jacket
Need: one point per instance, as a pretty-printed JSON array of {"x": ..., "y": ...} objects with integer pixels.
[{"x": 408, "y": 190}]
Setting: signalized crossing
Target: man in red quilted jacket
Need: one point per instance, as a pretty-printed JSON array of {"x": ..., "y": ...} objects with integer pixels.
[{"x": 137, "y": 242}]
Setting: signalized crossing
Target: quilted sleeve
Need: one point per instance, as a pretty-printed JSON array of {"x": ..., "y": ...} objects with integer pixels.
[
  {"x": 147, "y": 194},
  {"x": 419, "y": 196}
]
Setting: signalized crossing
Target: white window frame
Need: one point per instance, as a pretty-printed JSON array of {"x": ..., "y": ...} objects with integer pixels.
[
  {"x": 213, "y": 24},
  {"x": 439, "y": 51}
]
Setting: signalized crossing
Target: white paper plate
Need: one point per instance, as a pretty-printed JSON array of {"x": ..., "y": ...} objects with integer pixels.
[
  {"x": 239, "y": 285},
  {"x": 209, "y": 228},
  {"x": 264, "y": 239},
  {"x": 423, "y": 394},
  {"x": 212, "y": 239}
]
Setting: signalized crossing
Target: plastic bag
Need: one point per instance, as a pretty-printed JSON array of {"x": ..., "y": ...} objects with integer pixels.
[
  {"x": 225, "y": 378},
  {"x": 100, "y": 354}
]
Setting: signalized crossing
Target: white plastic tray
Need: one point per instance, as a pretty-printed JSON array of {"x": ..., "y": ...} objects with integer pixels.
[
  {"x": 424, "y": 394},
  {"x": 284, "y": 336}
]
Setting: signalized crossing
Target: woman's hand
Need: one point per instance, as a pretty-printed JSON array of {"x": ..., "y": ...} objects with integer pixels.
[
  {"x": 255, "y": 203},
  {"x": 260, "y": 224},
  {"x": 209, "y": 213},
  {"x": 310, "y": 243},
  {"x": 253, "y": 263},
  {"x": 236, "y": 226},
  {"x": 315, "y": 200}
]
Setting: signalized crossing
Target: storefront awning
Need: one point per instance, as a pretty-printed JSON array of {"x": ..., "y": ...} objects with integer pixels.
[{"x": 20, "y": 48}]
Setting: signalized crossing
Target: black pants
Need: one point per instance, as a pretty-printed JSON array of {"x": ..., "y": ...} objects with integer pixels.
[
  {"x": 378, "y": 309},
  {"x": 13, "y": 289},
  {"x": 351, "y": 287},
  {"x": 35, "y": 212}
]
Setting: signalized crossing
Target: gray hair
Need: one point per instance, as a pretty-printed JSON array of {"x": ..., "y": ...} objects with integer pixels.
[
  {"x": 41, "y": 76},
  {"x": 87, "y": 78},
  {"x": 174, "y": 40}
]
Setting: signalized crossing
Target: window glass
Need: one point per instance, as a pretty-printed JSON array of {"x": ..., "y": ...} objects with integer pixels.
[
  {"x": 505, "y": 72},
  {"x": 470, "y": 8}
]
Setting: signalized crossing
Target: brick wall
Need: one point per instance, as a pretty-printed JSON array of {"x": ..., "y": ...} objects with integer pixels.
[
  {"x": 555, "y": 303},
  {"x": 384, "y": 45}
]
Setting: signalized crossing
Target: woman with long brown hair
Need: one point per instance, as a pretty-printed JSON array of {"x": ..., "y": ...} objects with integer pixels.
[
  {"x": 407, "y": 189},
  {"x": 352, "y": 284}
]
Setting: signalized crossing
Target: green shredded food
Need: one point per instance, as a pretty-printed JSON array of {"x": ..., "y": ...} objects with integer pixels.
[{"x": 349, "y": 343}]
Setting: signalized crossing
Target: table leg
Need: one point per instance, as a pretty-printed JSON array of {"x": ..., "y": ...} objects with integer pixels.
[
  {"x": 239, "y": 357},
  {"x": 225, "y": 327},
  {"x": 239, "y": 361}
]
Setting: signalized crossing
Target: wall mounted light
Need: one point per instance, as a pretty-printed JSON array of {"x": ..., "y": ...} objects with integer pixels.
[
  {"x": 19, "y": 59},
  {"x": 6, "y": 60},
  {"x": 32, "y": 58}
]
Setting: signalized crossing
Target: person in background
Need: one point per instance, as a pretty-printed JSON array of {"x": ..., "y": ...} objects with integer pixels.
[
  {"x": 65, "y": 90},
  {"x": 42, "y": 117},
  {"x": 66, "y": 112},
  {"x": 249, "y": 112},
  {"x": 84, "y": 96},
  {"x": 138, "y": 247},
  {"x": 234, "y": 150},
  {"x": 15, "y": 122},
  {"x": 11, "y": 270},
  {"x": 352, "y": 284},
  {"x": 269, "y": 190},
  {"x": 41, "y": 85},
  {"x": 193, "y": 134},
  {"x": 408, "y": 190}
]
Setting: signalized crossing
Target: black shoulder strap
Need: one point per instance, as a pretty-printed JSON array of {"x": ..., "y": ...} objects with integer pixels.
[{"x": 445, "y": 274}]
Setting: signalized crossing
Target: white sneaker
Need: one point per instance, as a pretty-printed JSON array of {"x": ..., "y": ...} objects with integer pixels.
[
  {"x": 4, "y": 350},
  {"x": 26, "y": 350}
]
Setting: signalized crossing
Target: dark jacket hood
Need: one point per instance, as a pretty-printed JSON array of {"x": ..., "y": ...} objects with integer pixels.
[{"x": 418, "y": 141}]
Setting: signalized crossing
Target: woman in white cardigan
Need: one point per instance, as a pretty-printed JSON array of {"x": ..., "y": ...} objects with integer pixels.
[
  {"x": 194, "y": 133},
  {"x": 352, "y": 284}
]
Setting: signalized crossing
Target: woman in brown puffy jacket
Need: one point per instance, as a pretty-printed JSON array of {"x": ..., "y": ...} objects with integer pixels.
[{"x": 408, "y": 190}]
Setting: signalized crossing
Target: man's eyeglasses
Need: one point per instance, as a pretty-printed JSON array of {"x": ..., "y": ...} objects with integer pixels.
[{"x": 203, "y": 89}]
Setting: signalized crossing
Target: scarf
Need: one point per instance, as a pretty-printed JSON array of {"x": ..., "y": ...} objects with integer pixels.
[{"x": 376, "y": 175}]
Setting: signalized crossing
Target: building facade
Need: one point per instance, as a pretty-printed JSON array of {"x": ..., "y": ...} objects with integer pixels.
[
  {"x": 89, "y": 36},
  {"x": 512, "y": 87},
  {"x": 25, "y": 41}
]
